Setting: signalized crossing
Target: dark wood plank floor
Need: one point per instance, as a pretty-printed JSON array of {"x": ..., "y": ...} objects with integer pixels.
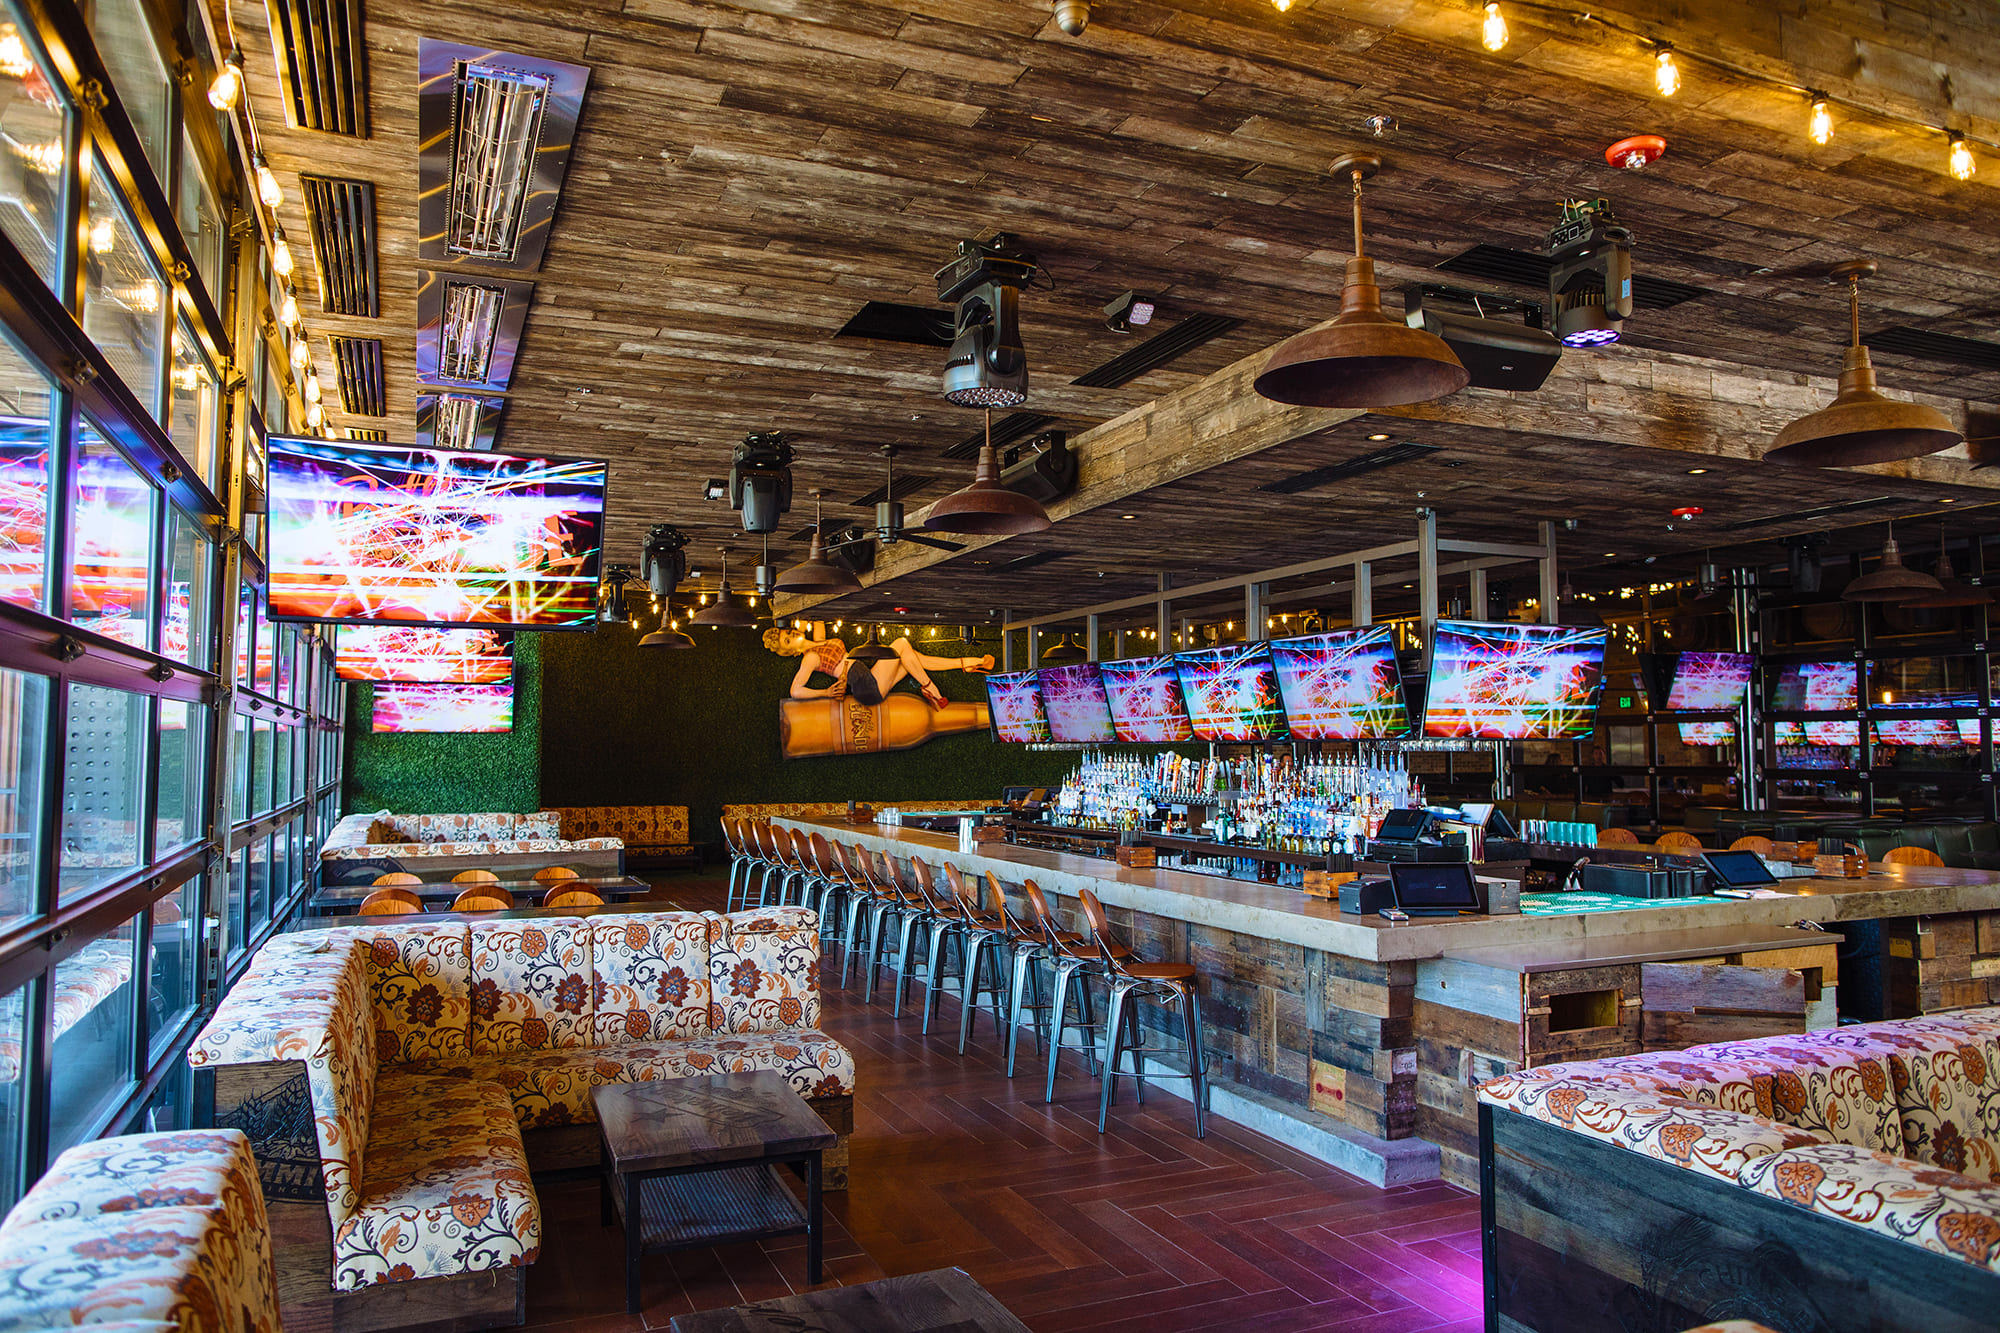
[{"x": 1143, "y": 1230}]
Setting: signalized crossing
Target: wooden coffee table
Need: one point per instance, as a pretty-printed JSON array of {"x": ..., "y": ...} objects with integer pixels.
[
  {"x": 694, "y": 1161},
  {"x": 933, "y": 1302}
]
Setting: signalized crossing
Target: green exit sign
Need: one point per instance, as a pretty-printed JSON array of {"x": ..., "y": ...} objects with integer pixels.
[{"x": 1624, "y": 701}]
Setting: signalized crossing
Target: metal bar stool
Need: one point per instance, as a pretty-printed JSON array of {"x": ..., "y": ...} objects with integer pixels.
[
  {"x": 1170, "y": 983},
  {"x": 865, "y": 900},
  {"x": 1071, "y": 956},
  {"x": 741, "y": 861},
  {"x": 792, "y": 882},
  {"x": 983, "y": 936},
  {"x": 765, "y": 848},
  {"x": 897, "y": 904},
  {"x": 1027, "y": 952},
  {"x": 917, "y": 916},
  {"x": 1013, "y": 949},
  {"x": 948, "y": 927},
  {"x": 830, "y": 877}
]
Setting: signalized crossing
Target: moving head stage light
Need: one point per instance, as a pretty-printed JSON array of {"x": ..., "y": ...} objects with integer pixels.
[
  {"x": 988, "y": 366},
  {"x": 760, "y": 481},
  {"x": 663, "y": 563},
  {"x": 1590, "y": 274}
]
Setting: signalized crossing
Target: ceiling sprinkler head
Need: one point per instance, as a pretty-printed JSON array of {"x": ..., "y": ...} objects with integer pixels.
[{"x": 1072, "y": 16}]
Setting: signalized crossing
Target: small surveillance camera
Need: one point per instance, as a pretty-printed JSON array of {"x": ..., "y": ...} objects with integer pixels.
[{"x": 1072, "y": 16}]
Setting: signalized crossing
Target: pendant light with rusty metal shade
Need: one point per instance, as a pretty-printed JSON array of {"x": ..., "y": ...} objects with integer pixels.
[
  {"x": 872, "y": 650},
  {"x": 1893, "y": 581},
  {"x": 1861, "y": 426},
  {"x": 986, "y": 508},
  {"x": 817, "y": 574},
  {"x": 1953, "y": 592},
  {"x": 726, "y": 612},
  {"x": 1363, "y": 358},
  {"x": 1065, "y": 651},
  {"x": 667, "y": 636}
]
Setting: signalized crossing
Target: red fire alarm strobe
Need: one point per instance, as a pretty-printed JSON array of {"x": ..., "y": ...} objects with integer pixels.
[
  {"x": 1636, "y": 153},
  {"x": 1687, "y": 513}
]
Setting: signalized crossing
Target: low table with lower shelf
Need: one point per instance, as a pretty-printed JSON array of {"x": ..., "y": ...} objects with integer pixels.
[{"x": 944, "y": 1300}]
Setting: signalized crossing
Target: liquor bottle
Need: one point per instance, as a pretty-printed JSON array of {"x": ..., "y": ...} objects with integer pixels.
[{"x": 810, "y": 727}]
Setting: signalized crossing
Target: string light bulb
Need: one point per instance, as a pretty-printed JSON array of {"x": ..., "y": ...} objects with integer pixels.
[
  {"x": 288, "y": 310},
  {"x": 15, "y": 61},
  {"x": 1962, "y": 165},
  {"x": 1282, "y": 6},
  {"x": 1493, "y": 30},
  {"x": 315, "y": 416},
  {"x": 1820, "y": 127},
  {"x": 227, "y": 88},
  {"x": 312, "y": 387},
  {"x": 301, "y": 354},
  {"x": 281, "y": 253},
  {"x": 1666, "y": 74},
  {"x": 267, "y": 184}
]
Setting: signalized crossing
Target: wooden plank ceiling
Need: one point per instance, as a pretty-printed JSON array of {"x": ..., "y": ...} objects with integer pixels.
[{"x": 748, "y": 175}]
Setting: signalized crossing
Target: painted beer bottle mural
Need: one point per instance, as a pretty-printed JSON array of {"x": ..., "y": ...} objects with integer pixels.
[{"x": 855, "y": 711}]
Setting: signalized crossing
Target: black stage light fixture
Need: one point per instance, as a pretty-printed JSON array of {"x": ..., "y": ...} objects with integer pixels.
[
  {"x": 760, "y": 480},
  {"x": 1805, "y": 565},
  {"x": 1498, "y": 353},
  {"x": 988, "y": 365},
  {"x": 663, "y": 564},
  {"x": 715, "y": 488},
  {"x": 1043, "y": 468},
  {"x": 1132, "y": 310},
  {"x": 615, "y": 611},
  {"x": 1590, "y": 274}
]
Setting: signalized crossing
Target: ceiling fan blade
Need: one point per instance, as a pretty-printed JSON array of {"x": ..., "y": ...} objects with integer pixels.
[{"x": 932, "y": 542}]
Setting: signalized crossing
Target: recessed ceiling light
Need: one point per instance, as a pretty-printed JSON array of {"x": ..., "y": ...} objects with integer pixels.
[
  {"x": 1128, "y": 516},
  {"x": 1609, "y": 554},
  {"x": 1696, "y": 471},
  {"x": 1948, "y": 500},
  {"x": 1378, "y": 437}
]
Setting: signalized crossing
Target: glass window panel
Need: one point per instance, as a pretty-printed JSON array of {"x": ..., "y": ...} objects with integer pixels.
[
  {"x": 288, "y": 643},
  {"x": 111, "y": 570},
  {"x": 92, "y": 1014},
  {"x": 239, "y": 753},
  {"x": 186, "y": 636},
  {"x": 246, "y": 605},
  {"x": 193, "y": 422},
  {"x": 200, "y": 219},
  {"x": 171, "y": 967},
  {"x": 281, "y": 766},
  {"x": 260, "y": 766},
  {"x": 125, "y": 41},
  {"x": 238, "y": 933},
  {"x": 281, "y": 866},
  {"x": 104, "y": 763},
  {"x": 260, "y": 678},
  {"x": 13, "y": 1056},
  {"x": 26, "y": 401},
  {"x": 183, "y": 746},
  {"x": 124, "y": 297},
  {"x": 258, "y": 900},
  {"x": 24, "y": 728},
  {"x": 34, "y": 128}
]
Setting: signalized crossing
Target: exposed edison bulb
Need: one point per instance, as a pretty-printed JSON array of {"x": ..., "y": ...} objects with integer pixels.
[
  {"x": 288, "y": 311},
  {"x": 103, "y": 235},
  {"x": 143, "y": 296},
  {"x": 187, "y": 378},
  {"x": 267, "y": 184},
  {"x": 301, "y": 354},
  {"x": 226, "y": 89},
  {"x": 1666, "y": 74},
  {"x": 1962, "y": 165},
  {"x": 1820, "y": 128},
  {"x": 312, "y": 388},
  {"x": 14, "y": 59},
  {"x": 1282, "y": 6},
  {"x": 46, "y": 158},
  {"x": 281, "y": 254},
  {"x": 315, "y": 416},
  {"x": 1493, "y": 32}
]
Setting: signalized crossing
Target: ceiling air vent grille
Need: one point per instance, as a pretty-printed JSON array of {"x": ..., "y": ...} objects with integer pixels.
[
  {"x": 1021, "y": 562},
  {"x": 342, "y": 213},
  {"x": 365, "y": 433},
  {"x": 1496, "y": 263},
  {"x": 1905, "y": 341},
  {"x": 1158, "y": 350},
  {"x": 905, "y": 488},
  {"x": 1820, "y": 512},
  {"x": 1406, "y": 452},
  {"x": 358, "y": 369},
  {"x": 322, "y": 64},
  {"x": 1014, "y": 426},
  {"x": 887, "y": 321}
]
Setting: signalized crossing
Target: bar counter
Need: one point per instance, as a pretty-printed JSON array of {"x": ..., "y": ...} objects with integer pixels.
[{"x": 1360, "y": 1040}]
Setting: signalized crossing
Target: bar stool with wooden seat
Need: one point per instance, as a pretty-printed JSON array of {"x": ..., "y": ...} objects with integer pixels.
[
  {"x": 764, "y": 854},
  {"x": 740, "y": 861},
  {"x": 1616, "y": 837},
  {"x": 479, "y": 898},
  {"x": 1679, "y": 844},
  {"x": 944, "y": 925},
  {"x": 1911, "y": 856},
  {"x": 395, "y": 877},
  {"x": 552, "y": 875},
  {"x": 1171, "y": 983},
  {"x": 563, "y": 895},
  {"x": 1752, "y": 843},
  {"x": 791, "y": 868},
  {"x": 475, "y": 877},
  {"x": 865, "y": 904},
  {"x": 1073, "y": 959},
  {"x": 984, "y": 934},
  {"x": 1015, "y": 949},
  {"x": 394, "y": 900},
  {"x": 829, "y": 885},
  {"x": 898, "y": 903}
]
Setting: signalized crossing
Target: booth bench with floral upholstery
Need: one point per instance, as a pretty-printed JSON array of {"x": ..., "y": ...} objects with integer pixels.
[
  {"x": 399, "y": 1079},
  {"x": 655, "y": 836},
  {"x": 360, "y": 847},
  {"x": 1840, "y": 1179}
]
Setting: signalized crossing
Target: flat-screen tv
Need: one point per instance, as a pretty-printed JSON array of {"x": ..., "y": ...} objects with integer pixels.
[
  {"x": 1015, "y": 702},
  {"x": 1943, "y": 731},
  {"x": 1816, "y": 733},
  {"x": 1708, "y": 733},
  {"x": 1710, "y": 682},
  {"x": 420, "y": 655},
  {"x": 404, "y": 708},
  {"x": 1513, "y": 682},
  {"x": 1817, "y": 687},
  {"x": 447, "y": 537},
  {"x": 1145, "y": 698},
  {"x": 1341, "y": 686},
  {"x": 1074, "y": 702},
  {"x": 1232, "y": 693}
]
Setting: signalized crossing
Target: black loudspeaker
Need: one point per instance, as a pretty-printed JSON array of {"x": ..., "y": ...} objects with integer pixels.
[
  {"x": 1365, "y": 897},
  {"x": 1044, "y": 475}
]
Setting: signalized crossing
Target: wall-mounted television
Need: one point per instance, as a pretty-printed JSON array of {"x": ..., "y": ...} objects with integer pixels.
[
  {"x": 1514, "y": 682},
  {"x": 445, "y": 537},
  {"x": 1074, "y": 702},
  {"x": 1817, "y": 687},
  {"x": 1232, "y": 693},
  {"x": 1144, "y": 694},
  {"x": 1816, "y": 733},
  {"x": 1341, "y": 686},
  {"x": 1015, "y": 702},
  {"x": 418, "y": 654},
  {"x": 477, "y": 708},
  {"x": 1708, "y": 733},
  {"x": 1710, "y": 682},
  {"x": 1951, "y": 732}
]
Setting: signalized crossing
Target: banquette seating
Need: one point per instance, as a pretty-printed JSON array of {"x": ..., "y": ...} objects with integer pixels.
[
  {"x": 655, "y": 836},
  {"x": 400, "y": 1079},
  {"x": 361, "y": 847}
]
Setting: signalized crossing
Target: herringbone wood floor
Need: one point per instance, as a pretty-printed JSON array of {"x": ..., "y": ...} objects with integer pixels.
[{"x": 1142, "y": 1230}]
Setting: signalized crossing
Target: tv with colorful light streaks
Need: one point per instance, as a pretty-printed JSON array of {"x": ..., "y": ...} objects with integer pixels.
[
  {"x": 1708, "y": 733},
  {"x": 1341, "y": 686},
  {"x": 445, "y": 537},
  {"x": 24, "y": 508},
  {"x": 1015, "y": 702},
  {"x": 1145, "y": 698},
  {"x": 456, "y": 708},
  {"x": 420, "y": 655},
  {"x": 1710, "y": 682},
  {"x": 1232, "y": 693},
  {"x": 1817, "y": 687},
  {"x": 1514, "y": 682},
  {"x": 1073, "y": 700}
]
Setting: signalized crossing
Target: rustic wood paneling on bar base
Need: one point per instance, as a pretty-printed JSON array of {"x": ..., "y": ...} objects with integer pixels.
[{"x": 1942, "y": 962}]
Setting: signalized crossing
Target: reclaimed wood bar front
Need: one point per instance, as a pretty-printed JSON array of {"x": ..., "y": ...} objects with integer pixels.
[{"x": 1372, "y": 1033}]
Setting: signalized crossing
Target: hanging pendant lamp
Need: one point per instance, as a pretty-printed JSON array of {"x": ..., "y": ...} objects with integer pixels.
[
  {"x": 986, "y": 508},
  {"x": 871, "y": 651},
  {"x": 1952, "y": 592},
  {"x": 1065, "y": 651},
  {"x": 1363, "y": 358},
  {"x": 1893, "y": 581},
  {"x": 726, "y": 612},
  {"x": 666, "y": 636},
  {"x": 817, "y": 574},
  {"x": 1861, "y": 425}
]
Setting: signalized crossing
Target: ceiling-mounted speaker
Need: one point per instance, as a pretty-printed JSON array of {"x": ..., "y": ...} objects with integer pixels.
[
  {"x": 852, "y": 548},
  {"x": 1497, "y": 353},
  {"x": 1043, "y": 469}
]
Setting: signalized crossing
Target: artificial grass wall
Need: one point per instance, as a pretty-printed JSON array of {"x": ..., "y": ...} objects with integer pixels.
[
  {"x": 429, "y": 773},
  {"x": 625, "y": 725}
]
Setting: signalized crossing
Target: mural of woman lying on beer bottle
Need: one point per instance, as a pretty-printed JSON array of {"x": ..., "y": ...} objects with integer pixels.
[{"x": 857, "y": 709}]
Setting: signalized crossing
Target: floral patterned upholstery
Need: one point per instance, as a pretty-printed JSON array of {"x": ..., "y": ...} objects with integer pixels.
[
  {"x": 763, "y": 966},
  {"x": 1732, "y": 1326},
  {"x": 652, "y": 977},
  {"x": 156, "y": 1231},
  {"x": 420, "y": 981},
  {"x": 84, "y": 980},
  {"x": 642, "y": 828},
  {"x": 531, "y": 985},
  {"x": 445, "y": 1190},
  {"x": 1938, "y": 1210},
  {"x": 1845, "y": 1092},
  {"x": 414, "y": 837}
]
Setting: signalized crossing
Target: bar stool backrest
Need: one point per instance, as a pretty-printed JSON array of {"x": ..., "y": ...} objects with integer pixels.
[
  {"x": 1108, "y": 944},
  {"x": 967, "y": 898},
  {"x": 822, "y": 857},
  {"x": 853, "y": 866},
  {"x": 1678, "y": 843},
  {"x": 1752, "y": 843},
  {"x": 730, "y": 841},
  {"x": 562, "y": 896},
  {"x": 921, "y": 874},
  {"x": 1911, "y": 856},
  {"x": 1045, "y": 920},
  {"x": 392, "y": 901},
  {"x": 396, "y": 877},
  {"x": 475, "y": 877},
  {"x": 767, "y": 846},
  {"x": 481, "y": 899},
  {"x": 553, "y": 874},
  {"x": 996, "y": 898}
]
